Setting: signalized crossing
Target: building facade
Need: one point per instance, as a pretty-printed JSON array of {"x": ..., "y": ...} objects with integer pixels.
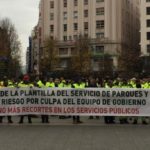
[
  {"x": 32, "y": 54},
  {"x": 145, "y": 36},
  {"x": 145, "y": 27},
  {"x": 112, "y": 25}
]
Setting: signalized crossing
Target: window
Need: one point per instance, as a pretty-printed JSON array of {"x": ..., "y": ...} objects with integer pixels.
[
  {"x": 70, "y": 38},
  {"x": 65, "y": 38},
  {"x": 63, "y": 63},
  {"x": 148, "y": 35},
  {"x": 99, "y": 49},
  {"x": 75, "y": 26},
  {"x": 51, "y": 28},
  {"x": 75, "y": 14},
  {"x": 75, "y": 37},
  {"x": 148, "y": 10},
  {"x": 148, "y": 48},
  {"x": 100, "y": 11},
  {"x": 148, "y": 22},
  {"x": 147, "y": 0},
  {"x": 75, "y": 2},
  {"x": 65, "y": 27},
  {"x": 51, "y": 16},
  {"x": 85, "y": 25},
  {"x": 63, "y": 51},
  {"x": 51, "y": 4},
  {"x": 73, "y": 51},
  {"x": 100, "y": 35},
  {"x": 51, "y": 37},
  {"x": 86, "y": 35},
  {"x": 100, "y": 24},
  {"x": 65, "y": 3},
  {"x": 65, "y": 15},
  {"x": 85, "y": 2},
  {"x": 85, "y": 13},
  {"x": 98, "y": 1}
]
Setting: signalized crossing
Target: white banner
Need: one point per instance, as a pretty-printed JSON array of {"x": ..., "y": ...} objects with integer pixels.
[{"x": 83, "y": 102}]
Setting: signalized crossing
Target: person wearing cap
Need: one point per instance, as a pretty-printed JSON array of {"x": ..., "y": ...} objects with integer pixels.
[
  {"x": 50, "y": 83},
  {"x": 1, "y": 84},
  {"x": 109, "y": 119},
  {"x": 78, "y": 85},
  {"x": 68, "y": 84},
  {"x": 5, "y": 84},
  {"x": 45, "y": 118},
  {"x": 24, "y": 84},
  {"x": 145, "y": 85},
  {"x": 92, "y": 84}
]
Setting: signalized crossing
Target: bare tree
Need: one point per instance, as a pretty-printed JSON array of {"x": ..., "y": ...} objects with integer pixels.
[
  {"x": 81, "y": 61},
  {"x": 50, "y": 59},
  {"x": 10, "y": 47},
  {"x": 129, "y": 61}
]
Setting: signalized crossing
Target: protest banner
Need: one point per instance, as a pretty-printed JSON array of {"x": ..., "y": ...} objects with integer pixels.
[{"x": 69, "y": 101}]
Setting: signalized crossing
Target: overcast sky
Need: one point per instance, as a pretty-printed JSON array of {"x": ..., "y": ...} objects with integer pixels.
[{"x": 24, "y": 15}]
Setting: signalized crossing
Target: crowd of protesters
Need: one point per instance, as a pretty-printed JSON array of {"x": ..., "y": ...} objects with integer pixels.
[{"x": 78, "y": 82}]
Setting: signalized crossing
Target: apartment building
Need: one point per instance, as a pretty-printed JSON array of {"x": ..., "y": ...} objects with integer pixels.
[
  {"x": 113, "y": 26},
  {"x": 145, "y": 27},
  {"x": 145, "y": 35},
  {"x": 32, "y": 53}
]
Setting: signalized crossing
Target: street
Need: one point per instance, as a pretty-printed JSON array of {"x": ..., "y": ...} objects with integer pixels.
[{"x": 63, "y": 135}]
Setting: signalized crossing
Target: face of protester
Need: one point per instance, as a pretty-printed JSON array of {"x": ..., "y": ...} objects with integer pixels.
[
  {"x": 37, "y": 79},
  {"x": 5, "y": 83},
  {"x": 68, "y": 81},
  {"x": 26, "y": 81},
  {"x": 61, "y": 78},
  {"x": 79, "y": 81},
  {"x": 44, "y": 81},
  {"x": 1, "y": 84},
  {"x": 110, "y": 83},
  {"x": 50, "y": 80},
  {"x": 124, "y": 82},
  {"x": 93, "y": 81},
  {"x": 57, "y": 81}
]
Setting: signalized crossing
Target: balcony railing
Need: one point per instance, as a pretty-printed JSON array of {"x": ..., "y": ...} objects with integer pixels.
[{"x": 92, "y": 41}]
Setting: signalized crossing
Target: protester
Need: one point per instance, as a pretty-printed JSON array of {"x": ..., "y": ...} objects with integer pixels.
[
  {"x": 25, "y": 83},
  {"x": 5, "y": 84}
]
